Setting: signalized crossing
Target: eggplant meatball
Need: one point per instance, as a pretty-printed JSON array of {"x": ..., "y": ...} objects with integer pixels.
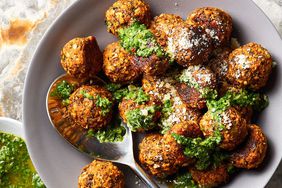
[
  {"x": 174, "y": 110},
  {"x": 125, "y": 12},
  {"x": 219, "y": 63},
  {"x": 232, "y": 126},
  {"x": 198, "y": 83},
  {"x": 252, "y": 152},
  {"x": 119, "y": 65},
  {"x": 101, "y": 174},
  {"x": 162, "y": 26},
  {"x": 91, "y": 107},
  {"x": 249, "y": 66},
  {"x": 139, "y": 117},
  {"x": 81, "y": 57},
  {"x": 188, "y": 45},
  {"x": 211, "y": 177},
  {"x": 187, "y": 129},
  {"x": 161, "y": 156},
  {"x": 216, "y": 22}
]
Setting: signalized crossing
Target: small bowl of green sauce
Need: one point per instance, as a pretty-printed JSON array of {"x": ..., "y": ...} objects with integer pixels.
[{"x": 16, "y": 168}]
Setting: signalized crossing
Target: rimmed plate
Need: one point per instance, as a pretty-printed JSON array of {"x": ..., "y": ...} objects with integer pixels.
[
  {"x": 58, "y": 163},
  {"x": 8, "y": 125}
]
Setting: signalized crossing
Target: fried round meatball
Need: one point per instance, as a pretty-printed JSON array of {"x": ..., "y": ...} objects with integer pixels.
[
  {"x": 249, "y": 66},
  {"x": 123, "y": 13},
  {"x": 252, "y": 153},
  {"x": 246, "y": 112},
  {"x": 153, "y": 65},
  {"x": 198, "y": 83},
  {"x": 211, "y": 177},
  {"x": 119, "y": 65},
  {"x": 161, "y": 156},
  {"x": 139, "y": 117},
  {"x": 91, "y": 107},
  {"x": 162, "y": 26},
  {"x": 232, "y": 126},
  {"x": 187, "y": 129},
  {"x": 188, "y": 45},
  {"x": 101, "y": 174},
  {"x": 81, "y": 57},
  {"x": 216, "y": 22},
  {"x": 219, "y": 63}
]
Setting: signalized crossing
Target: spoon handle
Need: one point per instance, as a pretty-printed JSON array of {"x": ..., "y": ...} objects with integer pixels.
[{"x": 143, "y": 175}]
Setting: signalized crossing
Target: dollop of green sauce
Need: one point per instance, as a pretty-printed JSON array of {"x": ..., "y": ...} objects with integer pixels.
[
  {"x": 63, "y": 91},
  {"x": 141, "y": 118},
  {"x": 16, "y": 169},
  {"x": 110, "y": 134},
  {"x": 137, "y": 95},
  {"x": 184, "y": 180},
  {"x": 139, "y": 40}
]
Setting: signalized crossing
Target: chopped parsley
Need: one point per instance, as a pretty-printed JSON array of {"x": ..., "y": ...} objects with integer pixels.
[
  {"x": 137, "y": 95},
  {"x": 103, "y": 102},
  {"x": 184, "y": 180},
  {"x": 241, "y": 98},
  {"x": 63, "y": 91},
  {"x": 199, "y": 148},
  {"x": 167, "y": 108},
  {"x": 139, "y": 40},
  {"x": 141, "y": 118},
  {"x": 110, "y": 134},
  {"x": 117, "y": 92}
]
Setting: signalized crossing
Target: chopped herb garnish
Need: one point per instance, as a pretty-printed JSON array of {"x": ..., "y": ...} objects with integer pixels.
[
  {"x": 139, "y": 40},
  {"x": 63, "y": 90},
  {"x": 141, "y": 118},
  {"x": 137, "y": 94},
  {"x": 200, "y": 148},
  {"x": 184, "y": 180}
]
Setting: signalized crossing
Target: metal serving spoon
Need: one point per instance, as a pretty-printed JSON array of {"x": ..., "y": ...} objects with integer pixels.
[{"x": 119, "y": 152}]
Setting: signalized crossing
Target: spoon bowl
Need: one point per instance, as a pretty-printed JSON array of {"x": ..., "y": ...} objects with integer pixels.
[{"x": 78, "y": 137}]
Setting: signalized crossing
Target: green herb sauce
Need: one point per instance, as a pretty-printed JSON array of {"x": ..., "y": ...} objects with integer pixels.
[
  {"x": 137, "y": 95},
  {"x": 141, "y": 118},
  {"x": 241, "y": 98},
  {"x": 16, "y": 169},
  {"x": 184, "y": 180},
  {"x": 63, "y": 91},
  {"x": 110, "y": 134},
  {"x": 139, "y": 40},
  {"x": 117, "y": 92}
]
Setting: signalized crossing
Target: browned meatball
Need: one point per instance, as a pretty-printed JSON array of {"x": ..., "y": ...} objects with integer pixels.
[
  {"x": 211, "y": 177},
  {"x": 219, "y": 63},
  {"x": 188, "y": 45},
  {"x": 139, "y": 117},
  {"x": 81, "y": 57},
  {"x": 246, "y": 112},
  {"x": 252, "y": 152},
  {"x": 249, "y": 66},
  {"x": 101, "y": 174},
  {"x": 163, "y": 89},
  {"x": 91, "y": 107},
  {"x": 186, "y": 128},
  {"x": 161, "y": 156},
  {"x": 125, "y": 12},
  {"x": 152, "y": 65},
  {"x": 162, "y": 26},
  {"x": 198, "y": 83},
  {"x": 232, "y": 126},
  {"x": 119, "y": 65},
  {"x": 216, "y": 22}
]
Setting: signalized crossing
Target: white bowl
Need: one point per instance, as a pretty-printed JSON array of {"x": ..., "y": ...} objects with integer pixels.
[{"x": 8, "y": 125}]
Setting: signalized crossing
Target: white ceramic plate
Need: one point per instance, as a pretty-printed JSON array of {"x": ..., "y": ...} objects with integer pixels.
[
  {"x": 8, "y": 125},
  {"x": 58, "y": 163}
]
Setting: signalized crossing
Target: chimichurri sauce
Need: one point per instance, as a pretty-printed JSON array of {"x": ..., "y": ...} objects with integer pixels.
[{"x": 16, "y": 169}]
